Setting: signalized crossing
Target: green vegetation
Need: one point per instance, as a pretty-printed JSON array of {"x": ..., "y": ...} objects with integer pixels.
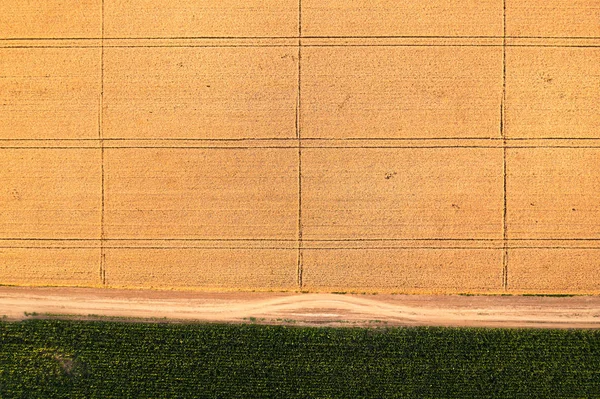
[{"x": 104, "y": 359}]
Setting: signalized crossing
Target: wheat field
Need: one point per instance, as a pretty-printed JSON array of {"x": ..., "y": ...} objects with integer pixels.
[{"x": 446, "y": 147}]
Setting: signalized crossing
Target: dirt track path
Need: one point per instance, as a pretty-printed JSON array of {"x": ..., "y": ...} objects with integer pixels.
[{"x": 307, "y": 309}]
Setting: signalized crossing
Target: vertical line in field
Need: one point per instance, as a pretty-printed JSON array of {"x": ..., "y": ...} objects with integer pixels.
[
  {"x": 299, "y": 137},
  {"x": 504, "y": 172},
  {"x": 101, "y": 137}
]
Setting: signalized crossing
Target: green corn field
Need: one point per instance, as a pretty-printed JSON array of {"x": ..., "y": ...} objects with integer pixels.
[{"x": 101, "y": 359}]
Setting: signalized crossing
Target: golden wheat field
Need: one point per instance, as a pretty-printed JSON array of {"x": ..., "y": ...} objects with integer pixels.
[{"x": 438, "y": 147}]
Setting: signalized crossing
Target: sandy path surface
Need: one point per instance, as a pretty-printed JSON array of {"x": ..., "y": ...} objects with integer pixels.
[{"x": 306, "y": 309}]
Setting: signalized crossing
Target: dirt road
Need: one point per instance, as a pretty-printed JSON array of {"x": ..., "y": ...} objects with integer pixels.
[{"x": 306, "y": 309}]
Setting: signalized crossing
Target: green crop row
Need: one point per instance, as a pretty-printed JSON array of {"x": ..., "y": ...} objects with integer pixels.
[{"x": 71, "y": 359}]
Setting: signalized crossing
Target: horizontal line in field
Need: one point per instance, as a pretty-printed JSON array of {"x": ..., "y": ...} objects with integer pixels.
[
  {"x": 308, "y": 147},
  {"x": 303, "y": 248},
  {"x": 307, "y": 45},
  {"x": 304, "y": 41},
  {"x": 305, "y": 37},
  {"x": 304, "y": 240},
  {"x": 295, "y": 139}
]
